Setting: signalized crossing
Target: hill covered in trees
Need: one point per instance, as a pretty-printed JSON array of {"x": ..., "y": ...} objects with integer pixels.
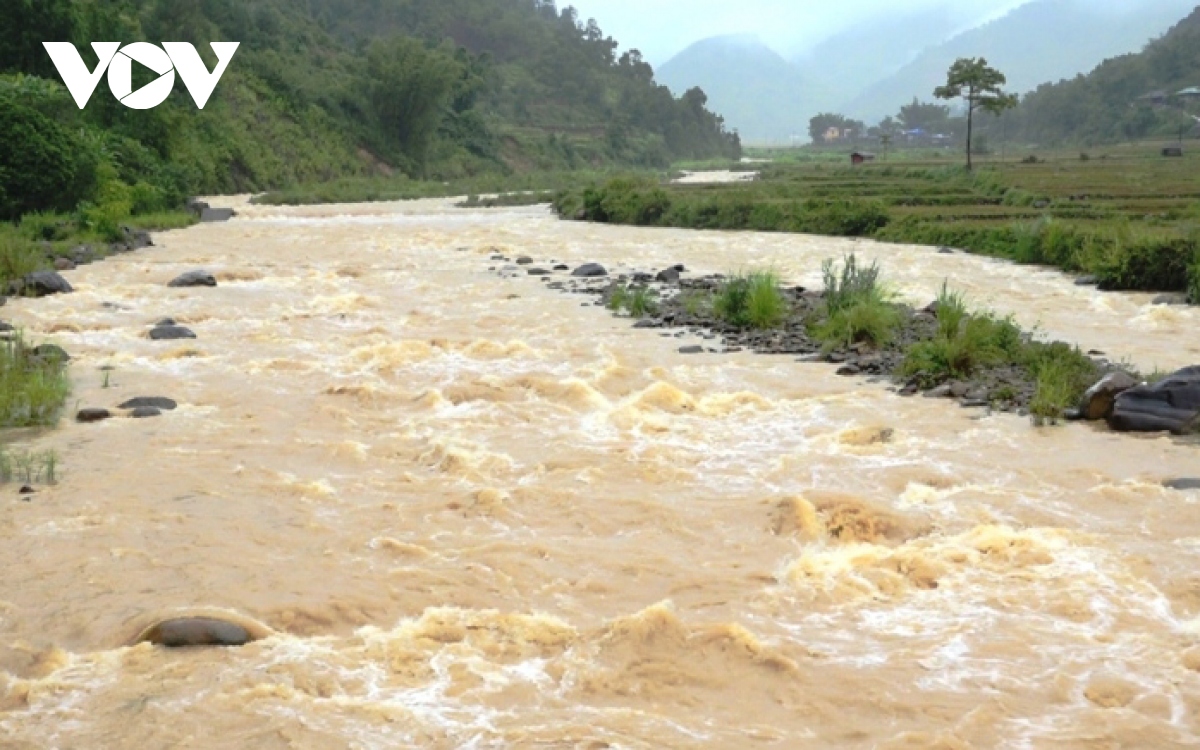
[
  {"x": 331, "y": 88},
  {"x": 1126, "y": 97}
]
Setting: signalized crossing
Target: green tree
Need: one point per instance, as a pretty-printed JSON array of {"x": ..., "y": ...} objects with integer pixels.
[
  {"x": 920, "y": 115},
  {"x": 979, "y": 86},
  {"x": 42, "y": 166},
  {"x": 28, "y": 23},
  {"x": 819, "y": 125},
  {"x": 411, "y": 87}
]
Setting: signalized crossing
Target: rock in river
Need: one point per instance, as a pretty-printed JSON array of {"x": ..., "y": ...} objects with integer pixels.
[
  {"x": 194, "y": 278},
  {"x": 1171, "y": 405},
  {"x": 1100, "y": 399},
  {"x": 590, "y": 270},
  {"x": 196, "y": 631},
  {"x": 92, "y": 415},
  {"x": 41, "y": 284},
  {"x": 171, "y": 333},
  {"x": 1182, "y": 484},
  {"x": 156, "y": 402}
]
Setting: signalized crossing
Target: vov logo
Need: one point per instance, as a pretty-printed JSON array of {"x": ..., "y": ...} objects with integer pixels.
[{"x": 118, "y": 61}]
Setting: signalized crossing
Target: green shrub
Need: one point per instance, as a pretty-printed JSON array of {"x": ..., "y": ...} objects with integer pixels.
[
  {"x": 751, "y": 300},
  {"x": 1149, "y": 263},
  {"x": 1194, "y": 279},
  {"x": 850, "y": 285},
  {"x": 43, "y": 166},
  {"x": 18, "y": 258},
  {"x": 843, "y": 218},
  {"x": 869, "y": 321},
  {"x": 964, "y": 343}
]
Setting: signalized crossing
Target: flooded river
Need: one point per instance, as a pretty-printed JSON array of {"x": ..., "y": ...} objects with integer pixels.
[{"x": 475, "y": 513}]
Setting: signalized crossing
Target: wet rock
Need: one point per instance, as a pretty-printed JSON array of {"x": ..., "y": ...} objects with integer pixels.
[
  {"x": 561, "y": 267},
  {"x": 849, "y": 370},
  {"x": 171, "y": 333},
  {"x": 1171, "y": 405},
  {"x": 194, "y": 278},
  {"x": 136, "y": 239},
  {"x": 668, "y": 276},
  {"x": 50, "y": 353},
  {"x": 166, "y": 322},
  {"x": 1182, "y": 484},
  {"x": 590, "y": 270},
  {"x": 946, "y": 251},
  {"x": 26, "y": 490},
  {"x": 974, "y": 403},
  {"x": 208, "y": 214},
  {"x": 538, "y": 272},
  {"x": 157, "y": 402},
  {"x": 196, "y": 631},
  {"x": 145, "y": 412},
  {"x": 1170, "y": 299},
  {"x": 942, "y": 391},
  {"x": 648, "y": 323},
  {"x": 6, "y": 327},
  {"x": 1087, "y": 281},
  {"x": 1098, "y": 402},
  {"x": 691, "y": 349},
  {"x": 64, "y": 264},
  {"x": 959, "y": 389},
  {"x": 40, "y": 284},
  {"x": 524, "y": 260},
  {"x": 92, "y": 415}
]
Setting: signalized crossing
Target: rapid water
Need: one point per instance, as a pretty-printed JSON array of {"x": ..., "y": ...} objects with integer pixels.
[{"x": 476, "y": 513}]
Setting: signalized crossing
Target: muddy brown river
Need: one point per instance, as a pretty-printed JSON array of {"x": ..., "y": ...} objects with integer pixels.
[{"x": 470, "y": 512}]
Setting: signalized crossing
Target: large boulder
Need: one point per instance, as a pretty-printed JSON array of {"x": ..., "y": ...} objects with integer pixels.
[
  {"x": 155, "y": 402},
  {"x": 194, "y": 278},
  {"x": 590, "y": 270},
  {"x": 197, "y": 631},
  {"x": 1171, "y": 405},
  {"x": 209, "y": 215},
  {"x": 1100, "y": 399},
  {"x": 40, "y": 284},
  {"x": 171, "y": 333}
]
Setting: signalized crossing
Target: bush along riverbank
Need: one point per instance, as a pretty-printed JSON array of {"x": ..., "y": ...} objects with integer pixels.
[
  {"x": 1110, "y": 245},
  {"x": 944, "y": 350}
]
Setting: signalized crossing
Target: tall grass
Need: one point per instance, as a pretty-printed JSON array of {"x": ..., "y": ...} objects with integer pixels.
[
  {"x": 751, "y": 300},
  {"x": 32, "y": 389},
  {"x": 858, "y": 309},
  {"x": 18, "y": 258},
  {"x": 28, "y": 467},
  {"x": 637, "y": 301}
]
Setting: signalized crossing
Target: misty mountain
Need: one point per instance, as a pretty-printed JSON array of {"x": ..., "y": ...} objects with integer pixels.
[
  {"x": 1041, "y": 41},
  {"x": 756, "y": 90}
]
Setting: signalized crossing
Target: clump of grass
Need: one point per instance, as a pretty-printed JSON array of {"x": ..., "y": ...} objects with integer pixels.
[
  {"x": 32, "y": 388},
  {"x": 29, "y": 467},
  {"x": 1062, "y": 373},
  {"x": 637, "y": 301},
  {"x": 751, "y": 300},
  {"x": 964, "y": 343},
  {"x": 858, "y": 309},
  {"x": 18, "y": 258},
  {"x": 695, "y": 303}
]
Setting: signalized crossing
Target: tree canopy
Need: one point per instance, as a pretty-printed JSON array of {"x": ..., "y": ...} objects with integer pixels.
[{"x": 978, "y": 85}]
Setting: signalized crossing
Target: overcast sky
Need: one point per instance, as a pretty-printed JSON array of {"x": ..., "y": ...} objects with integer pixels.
[{"x": 662, "y": 28}]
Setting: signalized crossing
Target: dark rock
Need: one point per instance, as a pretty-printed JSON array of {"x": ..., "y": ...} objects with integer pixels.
[
  {"x": 196, "y": 631},
  {"x": 942, "y": 391},
  {"x": 524, "y": 260},
  {"x": 26, "y": 490},
  {"x": 1182, "y": 484},
  {"x": 1073, "y": 415},
  {"x": 92, "y": 415},
  {"x": 6, "y": 327},
  {"x": 836, "y": 357},
  {"x": 171, "y": 333},
  {"x": 561, "y": 267},
  {"x": 1170, "y": 299},
  {"x": 959, "y": 389},
  {"x": 136, "y": 239},
  {"x": 196, "y": 206},
  {"x": 1087, "y": 281},
  {"x": 1171, "y": 405},
  {"x": 849, "y": 370},
  {"x": 1099, "y": 400},
  {"x": 590, "y": 270},
  {"x": 117, "y": 248},
  {"x": 974, "y": 403},
  {"x": 581, "y": 214},
  {"x": 166, "y": 322},
  {"x": 538, "y": 272},
  {"x": 910, "y": 390},
  {"x": 83, "y": 254},
  {"x": 216, "y": 214},
  {"x": 64, "y": 264},
  {"x": 691, "y": 350},
  {"x": 41, "y": 284},
  {"x": 668, "y": 276},
  {"x": 157, "y": 402},
  {"x": 648, "y": 323},
  {"x": 946, "y": 250},
  {"x": 50, "y": 353},
  {"x": 144, "y": 412},
  {"x": 194, "y": 278}
]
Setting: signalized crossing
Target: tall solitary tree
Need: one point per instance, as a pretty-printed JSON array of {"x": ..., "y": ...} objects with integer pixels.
[{"x": 979, "y": 85}]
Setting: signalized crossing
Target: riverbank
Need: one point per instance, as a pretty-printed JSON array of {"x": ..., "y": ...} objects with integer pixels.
[{"x": 1122, "y": 221}]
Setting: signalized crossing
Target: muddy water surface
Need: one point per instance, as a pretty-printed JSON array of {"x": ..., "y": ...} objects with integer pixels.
[{"x": 474, "y": 513}]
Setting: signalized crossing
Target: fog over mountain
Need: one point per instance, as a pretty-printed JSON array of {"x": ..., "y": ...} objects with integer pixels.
[{"x": 900, "y": 51}]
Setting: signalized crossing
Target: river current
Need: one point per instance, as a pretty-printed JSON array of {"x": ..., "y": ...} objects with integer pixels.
[{"x": 472, "y": 512}]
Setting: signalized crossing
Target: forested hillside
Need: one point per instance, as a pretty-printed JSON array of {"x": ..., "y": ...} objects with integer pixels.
[
  {"x": 329, "y": 88},
  {"x": 1110, "y": 103}
]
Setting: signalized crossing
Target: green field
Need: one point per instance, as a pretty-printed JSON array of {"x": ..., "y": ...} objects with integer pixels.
[{"x": 1125, "y": 214}]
